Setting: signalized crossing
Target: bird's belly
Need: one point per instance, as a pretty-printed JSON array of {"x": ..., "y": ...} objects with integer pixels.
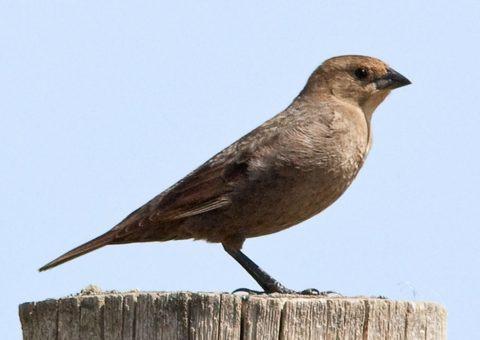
[{"x": 295, "y": 201}]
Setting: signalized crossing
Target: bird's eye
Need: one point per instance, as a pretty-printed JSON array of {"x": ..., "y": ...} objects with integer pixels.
[{"x": 361, "y": 73}]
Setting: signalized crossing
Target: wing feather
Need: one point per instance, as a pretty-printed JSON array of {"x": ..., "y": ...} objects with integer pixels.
[{"x": 205, "y": 189}]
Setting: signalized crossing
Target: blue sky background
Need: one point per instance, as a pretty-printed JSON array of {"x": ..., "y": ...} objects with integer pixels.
[{"x": 105, "y": 104}]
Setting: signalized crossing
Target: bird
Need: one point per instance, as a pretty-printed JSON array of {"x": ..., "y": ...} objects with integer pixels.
[{"x": 285, "y": 171}]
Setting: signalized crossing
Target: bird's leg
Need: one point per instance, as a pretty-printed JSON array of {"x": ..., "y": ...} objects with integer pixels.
[{"x": 268, "y": 283}]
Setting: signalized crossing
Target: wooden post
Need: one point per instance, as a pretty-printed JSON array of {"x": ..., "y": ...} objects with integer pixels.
[{"x": 140, "y": 315}]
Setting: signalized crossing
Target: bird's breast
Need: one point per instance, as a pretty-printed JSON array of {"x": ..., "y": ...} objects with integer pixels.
[{"x": 317, "y": 169}]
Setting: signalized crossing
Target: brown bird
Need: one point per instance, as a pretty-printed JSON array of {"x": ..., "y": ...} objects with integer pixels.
[{"x": 285, "y": 171}]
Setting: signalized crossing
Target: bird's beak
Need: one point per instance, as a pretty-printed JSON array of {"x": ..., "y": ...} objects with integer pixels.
[{"x": 391, "y": 80}]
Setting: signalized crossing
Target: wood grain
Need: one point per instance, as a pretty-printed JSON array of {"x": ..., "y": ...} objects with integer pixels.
[{"x": 206, "y": 316}]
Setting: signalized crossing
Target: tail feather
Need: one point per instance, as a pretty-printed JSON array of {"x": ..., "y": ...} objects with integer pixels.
[{"x": 91, "y": 245}]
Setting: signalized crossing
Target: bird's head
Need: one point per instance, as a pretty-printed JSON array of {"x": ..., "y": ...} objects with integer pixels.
[{"x": 359, "y": 80}]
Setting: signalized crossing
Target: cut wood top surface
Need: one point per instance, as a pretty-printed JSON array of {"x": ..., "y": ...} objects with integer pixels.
[{"x": 94, "y": 314}]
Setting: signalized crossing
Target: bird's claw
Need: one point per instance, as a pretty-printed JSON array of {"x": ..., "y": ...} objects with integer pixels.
[
  {"x": 248, "y": 291},
  {"x": 310, "y": 291},
  {"x": 330, "y": 293},
  {"x": 284, "y": 290}
]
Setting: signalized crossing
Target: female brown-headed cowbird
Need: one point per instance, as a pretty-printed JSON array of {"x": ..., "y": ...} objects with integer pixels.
[{"x": 285, "y": 171}]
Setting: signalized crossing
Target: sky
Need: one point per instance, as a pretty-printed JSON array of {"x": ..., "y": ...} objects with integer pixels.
[{"x": 103, "y": 105}]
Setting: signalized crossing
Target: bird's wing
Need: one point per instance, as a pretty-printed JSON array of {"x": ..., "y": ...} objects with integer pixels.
[
  {"x": 207, "y": 188},
  {"x": 203, "y": 190}
]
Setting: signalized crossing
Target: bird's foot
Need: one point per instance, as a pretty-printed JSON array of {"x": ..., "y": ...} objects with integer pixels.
[
  {"x": 284, "y": 290},
  {"x": 268, "y": 283}
]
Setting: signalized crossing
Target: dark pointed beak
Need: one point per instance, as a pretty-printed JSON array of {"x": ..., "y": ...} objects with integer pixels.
[{"x": 392, "y": 80}]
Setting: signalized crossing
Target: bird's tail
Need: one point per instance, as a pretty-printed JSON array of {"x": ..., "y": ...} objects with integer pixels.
[{"x": 91, "y": 245}]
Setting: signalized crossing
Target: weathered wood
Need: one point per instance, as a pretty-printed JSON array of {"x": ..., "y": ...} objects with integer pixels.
[{"x": 183, "y": 315}]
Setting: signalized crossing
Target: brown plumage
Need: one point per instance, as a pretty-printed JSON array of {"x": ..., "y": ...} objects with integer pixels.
[{"x": 285, "y": 171}]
